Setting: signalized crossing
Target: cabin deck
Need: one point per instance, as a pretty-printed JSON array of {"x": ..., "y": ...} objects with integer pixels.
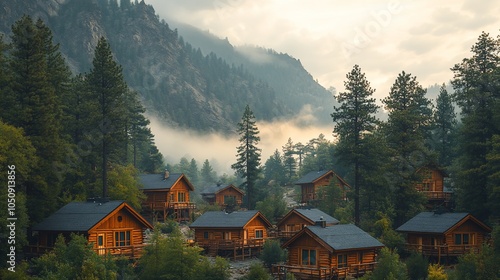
[
  {"x": 304, "y": 272},
  {"x": 442, "y": 250},
  {"x": 234, "y": 248},
  {"x": 130, "y": 252}
]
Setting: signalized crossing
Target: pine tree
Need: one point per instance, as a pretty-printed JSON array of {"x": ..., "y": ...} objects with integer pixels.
[
  {"x": 445, "y": 125},
  {"x": 107, "y": 89},
  {"x": 6, "y": 95},
  {"x": 37, "y": 109},
  {"x": 477, "y": 93},
  {"x": 289, "y": 160},
  {"x": 354, "y": 119},
  {"x": 247, "y": 163},
  {"x": 275, "y": 170},
  {"x": 410, "y": 116},
  {"x": 208, "y": 175}
]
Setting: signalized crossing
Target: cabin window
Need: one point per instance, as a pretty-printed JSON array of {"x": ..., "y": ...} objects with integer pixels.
[
  {"x": 122, "y": 238},
  {"x": 205, "y": 234},
  {"x": 308, "y": 257},
  {"x": 360, "y": 257},
  {"x": 229, "y": 199},
  {"x": 120, "y": 218},
  {"x": 227, "y": 235},
  {"x": 341, "y": 260},
  {"x": 259, "y": 233},
  {"x": 181, "y": 197},
  {"x": 464, "y": 238}
]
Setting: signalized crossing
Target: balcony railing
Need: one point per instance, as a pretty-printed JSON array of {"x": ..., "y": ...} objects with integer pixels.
[
  {"x": 168, "y": 205},
  {"x": 434, "y": 195},
  {"x": 230, "y": 244},
  {"x": 306, "y": 272},
  {"x": 443, "y": 250},
  {"x": 132, "y": 251}
]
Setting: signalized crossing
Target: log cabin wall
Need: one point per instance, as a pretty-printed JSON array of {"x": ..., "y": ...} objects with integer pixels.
[
  {"x": 155, "y": 196},
  {"x": 219, "y": 197},
  {"x": 306, "y": 242},
  {"x": 180, "y": 188},
  {"x": 205, "y": 234},
  {"x": 294, "y": 222},
  {"x": 121, "y": 221},
  {"x": 476, "y": 233},
  {"x": 254, "y": 225}
]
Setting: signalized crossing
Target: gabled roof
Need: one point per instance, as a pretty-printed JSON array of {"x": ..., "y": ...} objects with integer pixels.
[
  {"x": 314, "y": 176},
  {"x": 83, "y": 216},
  {"x": 313, "y": 215},
  {"x": 218, "y": 188},
  {"x": 221, "y": 219},
  {"x": 158, "y": 181},
  {"x": 338, "y": 237},
  {"x": 430, "y": 222}
]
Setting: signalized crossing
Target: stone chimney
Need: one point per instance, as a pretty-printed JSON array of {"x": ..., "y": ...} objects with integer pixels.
[{"x": 166, "y": 174}]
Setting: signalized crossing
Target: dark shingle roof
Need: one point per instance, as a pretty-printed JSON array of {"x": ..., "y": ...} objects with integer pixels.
[
  {"x": 311, "y": 177},
  {"x": 78, "y": 216},
  {"x": 216, "y": 188},
  {"x": 221, "y": 219},
  {"x": 431, "y": 222},
  {"x": 315, "y": 215},
  {"x": 157, "y": 181},
  {"x": 343, "y": 237}
]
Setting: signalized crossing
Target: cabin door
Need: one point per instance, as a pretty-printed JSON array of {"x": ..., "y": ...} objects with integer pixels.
[
  {"x": 100, "y": 244},
  {"x": 245, "y": 236}
]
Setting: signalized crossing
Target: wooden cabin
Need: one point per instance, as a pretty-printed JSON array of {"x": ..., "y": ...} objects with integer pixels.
[
  {"x": 167, "y": 196},
  {"x": 312, "y": 182},
  {"x": 443, "y": 235},
  {"x": 235, "y": 234},
  {"x": 334, "y": 252},
  {"x": 433, "y": 187},
  {"x": 296, "y": 219},
  {"x": 113, "y": 227},
  {"x": 223, "y": 195}
]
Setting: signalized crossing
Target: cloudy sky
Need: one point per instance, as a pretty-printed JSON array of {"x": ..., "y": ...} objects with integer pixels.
[{"x": 424, "y": 38}]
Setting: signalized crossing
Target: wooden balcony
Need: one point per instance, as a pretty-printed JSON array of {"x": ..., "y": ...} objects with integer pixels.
[
  {"x": 230, "y": 244},
  {"x": 131, "y": 252},
  {"x": 306, "y": 272},
  {"x": 442, "y": 250},
  {"x": 433, "y": 195},
  {"x": 160, "y": 206}
]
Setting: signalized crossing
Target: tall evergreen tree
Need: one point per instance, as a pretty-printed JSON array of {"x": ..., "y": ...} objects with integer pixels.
[
  {"x": 36, "y": 108},
  {"x": 6, "y": 96},
  {"x": 410, "y": 116},
  {"x": 354, "y": 118},
  {"x": 247, "y": 163},
  {"x": 208, "y": 175},
  {"x": 107, "y": 89},
  {"x": 477, "y": 92},
  {"x": 289, "y": 160},
  {"x": 445, "y": 125},
  {"x": 275, "y": 170}
]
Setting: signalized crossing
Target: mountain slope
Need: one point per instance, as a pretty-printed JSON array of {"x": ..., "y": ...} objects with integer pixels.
[
  {"x": 176, "y": 81},
  {"x": 292, "y": 83}
]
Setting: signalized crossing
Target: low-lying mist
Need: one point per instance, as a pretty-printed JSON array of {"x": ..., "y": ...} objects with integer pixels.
[{"x": 220, "y": 149}]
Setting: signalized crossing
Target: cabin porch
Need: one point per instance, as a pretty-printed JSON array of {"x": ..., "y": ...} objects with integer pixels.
[
  {"x": 232, "y": 248},
  {"x": 130, "y": 252},
  {"x": 161, "y": 211},
  {"x": 306, "y": 272}
]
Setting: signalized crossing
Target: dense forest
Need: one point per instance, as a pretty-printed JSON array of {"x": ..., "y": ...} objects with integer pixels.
[{"x": 74, "y": 135}]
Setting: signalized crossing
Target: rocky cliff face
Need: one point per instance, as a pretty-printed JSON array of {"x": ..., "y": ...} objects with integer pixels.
[{"x": 178, "y": 83}]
